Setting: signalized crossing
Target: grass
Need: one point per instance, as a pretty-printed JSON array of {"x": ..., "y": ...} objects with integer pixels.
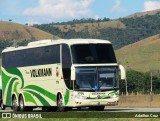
[
  {"x": 139, "y": 14},
  {"x": 84, "y": 119},
  {"x": 93, "y": 116},
  {"x": 141, "y": 101},
  {"x": 91, "y": 27},
  {"x": 141, "y": 56}
]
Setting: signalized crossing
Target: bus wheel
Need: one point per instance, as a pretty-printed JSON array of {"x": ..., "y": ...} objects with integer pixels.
[
  {"x": 60, "y": 106},
  {"x": 15, "y": 106},
  {"x": 21, "y": 103},
  {"x": 2, "y": 106}
]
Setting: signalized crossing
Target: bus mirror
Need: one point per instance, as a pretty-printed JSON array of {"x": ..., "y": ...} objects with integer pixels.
[
  {"x": 122, "y": 72},
  {"x": 73, "y": 73}
]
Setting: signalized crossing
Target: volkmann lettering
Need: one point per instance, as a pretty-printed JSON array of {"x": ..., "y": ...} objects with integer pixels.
[{"x": 41, "y": 72}]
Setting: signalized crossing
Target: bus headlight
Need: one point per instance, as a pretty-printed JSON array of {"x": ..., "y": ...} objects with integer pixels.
[
  {"x": 113, "y": 96},
  {"x": 80, "y": 97}
]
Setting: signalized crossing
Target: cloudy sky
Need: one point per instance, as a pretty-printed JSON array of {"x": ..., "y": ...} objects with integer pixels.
[{"x": 47, "y": 11}]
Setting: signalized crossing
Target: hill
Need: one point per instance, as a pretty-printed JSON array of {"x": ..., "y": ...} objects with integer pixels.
[
  {"x": 141, "y": 14},
  {"x": 91, "y": 27},
  {"x": 15, "y": 31},
  {"x": 23, "y": 34},
  {"x": 141, "y": 56},
  {"x": 120, "y": 32}
]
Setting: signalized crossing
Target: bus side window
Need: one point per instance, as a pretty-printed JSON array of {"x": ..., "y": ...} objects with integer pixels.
[
  {"x": 66, "y": 65},
  {"x": 66, "y": 76},
  {"x": 66, "y": 56},
  {"x": 3, "y": 60}
]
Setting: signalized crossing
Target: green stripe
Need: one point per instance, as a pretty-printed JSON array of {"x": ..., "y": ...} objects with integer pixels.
[
  {"x": 15, "y": 87},
  {"x": 66, "y": 97},
  {"x": 40, "y": 98},
  {"x": 115, "y": 92},
  {"x": 15, "y": 71},
  {"x": 29, "y": 98},
  {"x": 5, "y": 80},
  {"x": 9, "y": 92},
  {"x": 42, "y": 91},
  {"x": 104, "y": 96}
]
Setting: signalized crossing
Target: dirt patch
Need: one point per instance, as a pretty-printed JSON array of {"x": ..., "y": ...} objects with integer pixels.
[
  {"x": 139, "y": 101},
  {"x": 151, "y": 42}
]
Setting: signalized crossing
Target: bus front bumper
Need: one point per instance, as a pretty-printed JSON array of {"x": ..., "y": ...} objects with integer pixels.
[{"x": 96, "y": 102}]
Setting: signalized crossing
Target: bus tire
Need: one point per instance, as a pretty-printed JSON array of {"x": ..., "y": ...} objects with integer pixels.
[
  {"x": 2, "y": 106},
  {"x": 22, "y": 107},
  {"x": 21, "y": 103},
  {"x": 60, "y": 105},
  {"x": 15, "y": 106}
]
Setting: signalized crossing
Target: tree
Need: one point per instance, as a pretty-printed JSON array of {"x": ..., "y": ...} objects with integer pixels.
[{"x": 10, "y": 20}]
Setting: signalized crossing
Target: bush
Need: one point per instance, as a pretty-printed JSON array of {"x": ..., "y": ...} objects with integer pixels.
[{"x": 140, "y": 82}]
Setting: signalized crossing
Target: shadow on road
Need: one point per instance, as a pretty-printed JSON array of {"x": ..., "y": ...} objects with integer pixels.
[{"x": 85, "y": 109}]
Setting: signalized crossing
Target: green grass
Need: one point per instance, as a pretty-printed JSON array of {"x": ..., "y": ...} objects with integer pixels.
[
  {"x": 84, "y": 119},
  {"x": 142, "y": 56},
  {"x": 86, "y": 115}
]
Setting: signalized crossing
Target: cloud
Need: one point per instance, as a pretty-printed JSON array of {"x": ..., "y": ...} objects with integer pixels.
[
  {"x": 96, "y": 17},
  {"x": 151, "y": 5},
  {"x": 59, "y": 9},
  {"x": 31, "y": 21},
  {"x": 117, "y": 7}
]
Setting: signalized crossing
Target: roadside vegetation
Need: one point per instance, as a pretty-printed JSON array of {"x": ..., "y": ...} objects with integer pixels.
[{"x": 140, "y": 83}]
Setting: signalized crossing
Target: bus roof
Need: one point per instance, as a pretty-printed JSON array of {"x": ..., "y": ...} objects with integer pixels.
[{"x": 53, "y": 42}]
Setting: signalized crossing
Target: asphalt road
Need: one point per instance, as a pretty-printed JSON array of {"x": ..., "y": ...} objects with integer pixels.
[
  {"x": 132, "y": 109},
  {"x": 106, "y": 110}
]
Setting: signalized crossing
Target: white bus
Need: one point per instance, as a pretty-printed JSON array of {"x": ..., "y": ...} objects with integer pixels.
[{"x": 58, "y": 75}]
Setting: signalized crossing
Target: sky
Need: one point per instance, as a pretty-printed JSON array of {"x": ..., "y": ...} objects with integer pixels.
[{"x": 47, "y": 11}]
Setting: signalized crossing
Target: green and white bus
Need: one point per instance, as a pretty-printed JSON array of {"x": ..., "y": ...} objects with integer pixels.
[{"x": 60, "y": 74}]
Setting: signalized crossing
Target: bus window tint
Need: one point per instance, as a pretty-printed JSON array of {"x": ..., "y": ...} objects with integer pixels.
[
  {"x": 66, "y": 65},
  {"x": 32, "y": 57},
  {"x": 93, "y": 53},
  {"x": 66, "y": 56}
]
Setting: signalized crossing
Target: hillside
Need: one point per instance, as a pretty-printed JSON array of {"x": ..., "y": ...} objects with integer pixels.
[
  {"x": 22, "y": 34},
  {"x": 15, "y": 31},
  {"x": 120, "y": 32},
  {"x": 91, "y": 27},
  {"x": 141, "y": 14},
  {"x": 141, "y": 56}
]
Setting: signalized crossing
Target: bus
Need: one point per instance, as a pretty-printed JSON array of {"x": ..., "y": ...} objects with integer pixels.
[{"x": 58, "y": 75}]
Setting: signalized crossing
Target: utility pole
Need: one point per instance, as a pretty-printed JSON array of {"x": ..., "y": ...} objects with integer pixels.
[
  {"x": 14, "y": 43},
  {"x": 151, "y": 82},
  {"x": 126, "y": 87}
]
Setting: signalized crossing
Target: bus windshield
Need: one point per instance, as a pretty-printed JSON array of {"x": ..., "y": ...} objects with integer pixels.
[
  {"x": 93, "y": 54},
  {"x": 96, "y": 78}
]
